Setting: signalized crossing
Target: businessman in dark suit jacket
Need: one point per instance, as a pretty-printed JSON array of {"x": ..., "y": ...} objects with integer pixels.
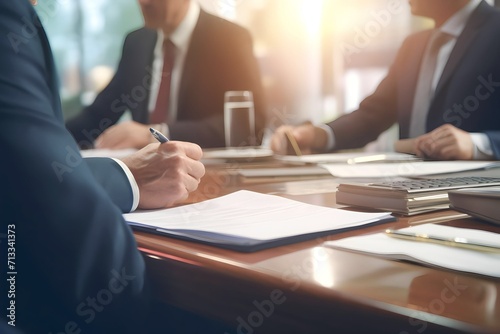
[
  {"x": 463, "y": 119},
  {"x": 74, "y": 264},
  {"x": 219, "y": 58}
]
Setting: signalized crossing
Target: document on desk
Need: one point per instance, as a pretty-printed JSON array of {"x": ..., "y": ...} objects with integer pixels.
[
  {"x": 431, "y": 254},
  {"x": 349, "y": 158},
  {"x": 406, "y": 169},
  {"x": 248, "y": 221},
  {"x": 258, "y": 175}
]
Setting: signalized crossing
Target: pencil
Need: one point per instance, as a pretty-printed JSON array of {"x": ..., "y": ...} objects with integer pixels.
[{"x": 293, "y": 142}]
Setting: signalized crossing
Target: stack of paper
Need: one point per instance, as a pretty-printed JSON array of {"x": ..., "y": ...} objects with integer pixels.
[
  {"x": 347, "y": 158},
  {"x": 406, "y": 169},
  {"x": 455, "y": 258},
  {"x": 273, "y": 174},
  {"x": 249, "y": 221}
]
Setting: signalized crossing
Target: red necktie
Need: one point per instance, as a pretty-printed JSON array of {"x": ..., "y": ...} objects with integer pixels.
[{"x": 160, "y": 113}]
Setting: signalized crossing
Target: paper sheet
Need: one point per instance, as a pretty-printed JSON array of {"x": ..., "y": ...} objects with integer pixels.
[
  {"x": 354, "y": 157},
  {"x": 455, "y": 258},
  {"x": 413, "y": 168},
  {"x": 247, "y": 214}
]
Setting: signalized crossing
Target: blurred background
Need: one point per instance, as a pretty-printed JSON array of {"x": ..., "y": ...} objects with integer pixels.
[{"x": 318, "y": 58}]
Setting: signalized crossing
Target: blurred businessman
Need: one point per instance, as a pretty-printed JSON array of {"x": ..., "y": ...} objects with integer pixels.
[
  {"x": 443, "y": 89},
  {"x": 73, "y": 261},
  {"x": 201, "y": 57}
]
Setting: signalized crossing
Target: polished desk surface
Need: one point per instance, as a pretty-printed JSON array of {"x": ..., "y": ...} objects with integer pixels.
[{"x": 308, "y": 288}]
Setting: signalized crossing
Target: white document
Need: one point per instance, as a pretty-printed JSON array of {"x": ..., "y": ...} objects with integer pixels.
[
  {"x": 406, "y": 169},
  {"x": 287, "y": 171},
  {"x": 350, "y": 158},
  {"x": 380, "y": 244},
  {"x": 246, "y": 215}
]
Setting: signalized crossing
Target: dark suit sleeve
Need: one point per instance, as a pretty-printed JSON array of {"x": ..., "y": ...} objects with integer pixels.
[
  {"x": 376, "y": 113},
  {"x": 113, "y": 180},
  {"x": 73, "y": 246},
  {"x": 106, "y": 109}
]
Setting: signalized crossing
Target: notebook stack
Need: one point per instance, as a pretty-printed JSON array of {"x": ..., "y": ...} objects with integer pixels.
[{"x": 408, "y": 197}]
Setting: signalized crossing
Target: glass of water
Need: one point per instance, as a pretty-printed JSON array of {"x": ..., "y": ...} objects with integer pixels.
[{"x": 239, "y": 119}]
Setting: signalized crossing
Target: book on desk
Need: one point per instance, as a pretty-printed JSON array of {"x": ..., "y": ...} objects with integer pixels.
[
  {"x": 408, "y": 197},
  {"x": 274, "y": 174},
  {"x": 482, "y": 203}
]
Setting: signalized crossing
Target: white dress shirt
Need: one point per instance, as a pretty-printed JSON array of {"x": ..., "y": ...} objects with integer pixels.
[{"x": 180, "y": 38}]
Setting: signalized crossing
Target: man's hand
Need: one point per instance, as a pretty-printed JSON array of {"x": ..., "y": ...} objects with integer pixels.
[
  {"x": 125, "y": 135},
  {"x": 166, "y": 173},
  {"x": 445, "y": 143},
  {"x": 309, "y": 138}
]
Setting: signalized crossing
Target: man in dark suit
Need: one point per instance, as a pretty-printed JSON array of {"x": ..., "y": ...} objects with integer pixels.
[
  {"x": 461, "y": 117},
  {"x": 212, "y": 56},
  {"x": 71, "y": 261}
]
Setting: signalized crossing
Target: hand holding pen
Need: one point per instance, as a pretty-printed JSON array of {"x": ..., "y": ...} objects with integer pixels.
[{"x": 165, "y": 173}]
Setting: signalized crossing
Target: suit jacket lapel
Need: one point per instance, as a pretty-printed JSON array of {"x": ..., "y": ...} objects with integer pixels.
[
  {"x": 191, "y": 62},
  {"x": 142, "y": 58},
  {"x": 462, "y": 46},
  {"x": 409, "y": 77}
]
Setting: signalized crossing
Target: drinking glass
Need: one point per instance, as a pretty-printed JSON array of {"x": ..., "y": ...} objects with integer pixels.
[{"x": 239, "y": 119}]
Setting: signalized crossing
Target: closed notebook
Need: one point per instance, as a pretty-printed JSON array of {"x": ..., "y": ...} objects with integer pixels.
[{"x": 482, "y": 203}]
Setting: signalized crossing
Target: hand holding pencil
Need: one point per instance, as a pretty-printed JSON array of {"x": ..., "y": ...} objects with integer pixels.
[{"x": 297, "y": 140}]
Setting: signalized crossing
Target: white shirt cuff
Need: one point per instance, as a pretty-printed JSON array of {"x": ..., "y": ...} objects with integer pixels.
[
  {"x": 133, "y": 184},
  {"x": 482, "y": 146},
  {"x": 330, "y": 136}
]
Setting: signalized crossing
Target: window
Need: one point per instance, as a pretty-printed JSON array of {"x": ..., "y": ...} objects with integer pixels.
[{"x": 86, "y": 39}]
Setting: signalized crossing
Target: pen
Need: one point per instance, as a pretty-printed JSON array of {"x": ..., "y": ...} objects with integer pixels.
[
  {"x": 453, "y": 242},
  {"x": 158, "y": 135},
  {"x": 293, "y": 142}
]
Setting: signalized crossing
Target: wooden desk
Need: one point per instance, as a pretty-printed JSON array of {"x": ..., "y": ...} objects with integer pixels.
[{"x": 306, "y": 288}]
